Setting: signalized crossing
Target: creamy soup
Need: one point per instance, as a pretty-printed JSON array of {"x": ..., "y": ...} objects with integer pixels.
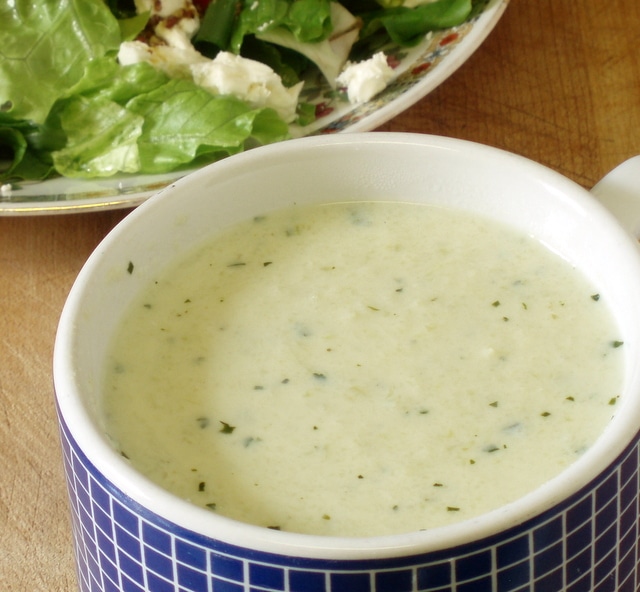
[{"x": 362, "y": 369}]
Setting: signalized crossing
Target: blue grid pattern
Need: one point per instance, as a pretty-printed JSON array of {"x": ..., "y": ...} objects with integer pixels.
[{"x": 587, "y": 544}]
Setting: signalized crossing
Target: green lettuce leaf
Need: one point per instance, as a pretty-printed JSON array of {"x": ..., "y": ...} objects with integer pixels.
[
  {"x": 19, "y": 160},
  {"x": 107, "y": 79},
  {"x": 156, "y": 132},
  {"x": 184, "y": 122},
  {"x": 407, "y": 26},
  {"x": 216, "y": 27},
  {"x": 134, "y": 119},
  {"x": 330, "y": 54},
  {"x": 88, "y": 131},
  {"x": 132, "y": 26},
  {"x": 101, "y": 138},
  {"x": 45, "y": 46},
  {"x": 122, "y": 9},
  {"x": 309, "y": 21}
]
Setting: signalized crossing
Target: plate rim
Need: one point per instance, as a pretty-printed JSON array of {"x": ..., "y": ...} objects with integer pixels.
[{"x": 125, "y": 198}]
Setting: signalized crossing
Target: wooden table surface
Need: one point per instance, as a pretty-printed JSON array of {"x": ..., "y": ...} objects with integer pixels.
[{"x": 557, "y": 81}]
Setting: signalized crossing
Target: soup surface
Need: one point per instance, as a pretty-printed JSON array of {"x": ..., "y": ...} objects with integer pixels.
[{"x": 362, "y": 368}]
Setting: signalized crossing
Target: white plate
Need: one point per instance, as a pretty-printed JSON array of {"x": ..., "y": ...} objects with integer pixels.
[{"x": 418, "y": 69}]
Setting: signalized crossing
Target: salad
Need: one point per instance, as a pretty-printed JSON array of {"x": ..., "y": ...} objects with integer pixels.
[{"x": 92, "y": 88}]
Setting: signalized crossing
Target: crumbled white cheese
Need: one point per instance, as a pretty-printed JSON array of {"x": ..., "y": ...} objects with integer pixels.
[
  {"x": 5, "y": 190},
  {"x": 249, "y": 80},
  {"x": 363, "y": 80},
  {"x": 180, "y": 34},
  {"x": 175, "y": 54},
  {"x": 133, "y": 52},
  {"x": 173, "y": 61}
]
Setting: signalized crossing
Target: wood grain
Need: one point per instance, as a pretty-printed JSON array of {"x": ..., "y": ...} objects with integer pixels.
[
  {"x": 39, "y": 259},
  {"x": 557, "y": 81}
]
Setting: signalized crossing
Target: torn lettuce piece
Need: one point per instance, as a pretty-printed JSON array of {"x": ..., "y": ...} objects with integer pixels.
[
  {"x": 112, "y": 129},
  {"x": 108, "y": 79},
  {"x": 101, "y": 138},
  {"x": 90, "y": 132},
  {"x": 408, "y": 26},
  {"x": 216, "y": 27},
  {"x": 309, "y": 21},
  {"x": 321, "y": 30},
  {"x": 45, "y": 47},
  {"x": 330, "y": 54},
  {"x": 18, "y": 161},
  {"x": 184, "y": 122}
]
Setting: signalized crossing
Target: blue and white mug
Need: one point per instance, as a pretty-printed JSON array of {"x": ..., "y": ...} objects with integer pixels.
[{"x": 579, "y": 532}]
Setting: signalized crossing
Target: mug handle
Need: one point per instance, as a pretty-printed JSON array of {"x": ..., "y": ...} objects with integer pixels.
[{"x": 619, "y": 192}]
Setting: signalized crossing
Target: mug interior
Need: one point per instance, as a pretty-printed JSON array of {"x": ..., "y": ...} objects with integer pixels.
[{"x": 349, "y": 167}]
